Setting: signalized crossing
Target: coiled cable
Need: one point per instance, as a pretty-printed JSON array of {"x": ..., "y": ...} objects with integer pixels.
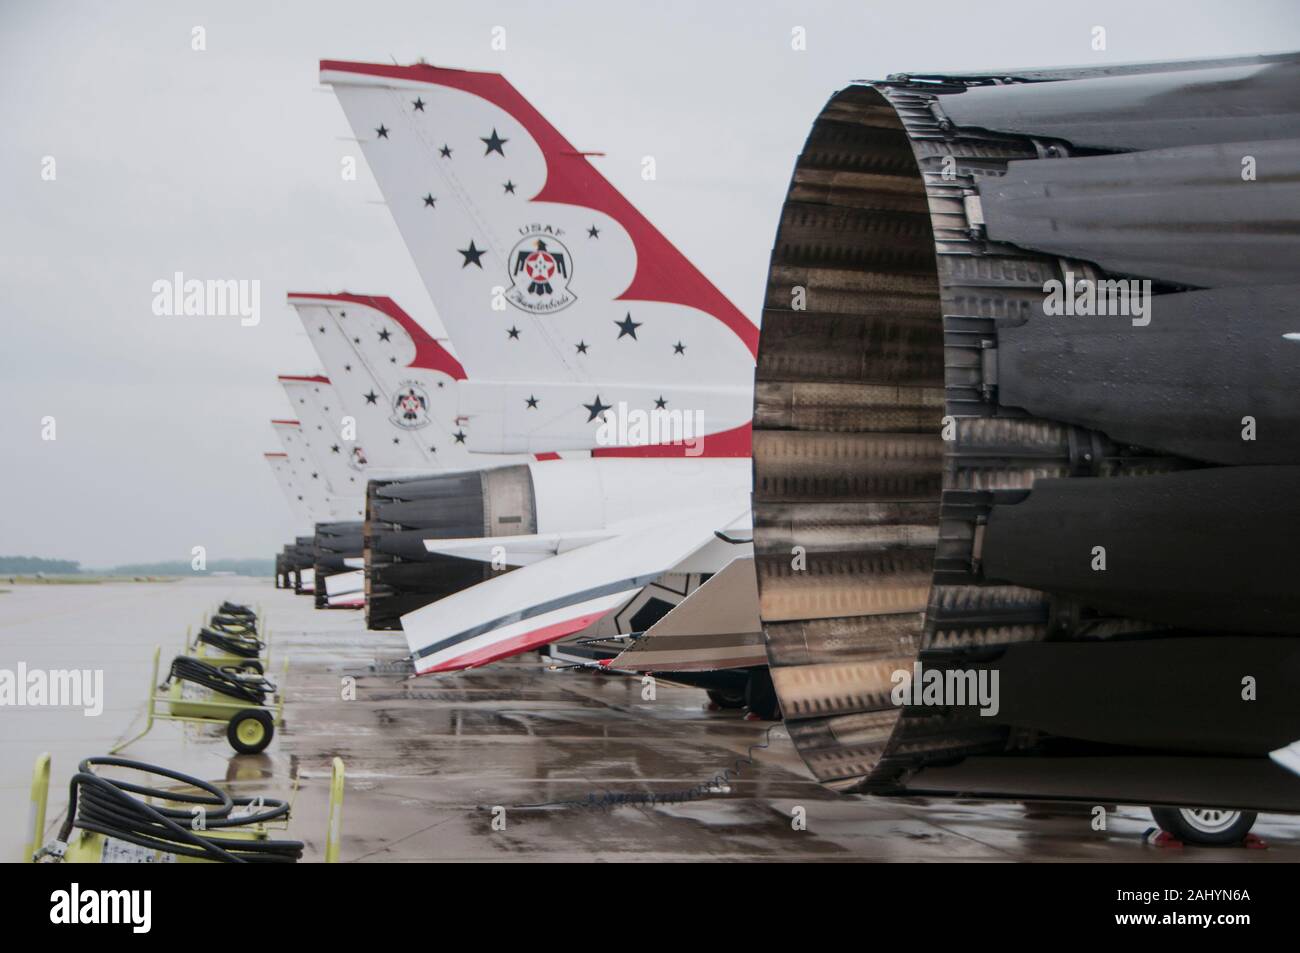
[
  {"x": 117, "y": 809},
  {"x": 244, "y": 647},
  {"x": 233, "y": 626},
  {"x": 250, "y": 688}
]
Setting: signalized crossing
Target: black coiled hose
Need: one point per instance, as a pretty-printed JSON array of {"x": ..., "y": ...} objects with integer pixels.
[
  {"x": 242, "y": 646},
  {"x": 238, "y": 622},
  {"x": 116, "y": 809},
  {"x": 249, "y": 688},
  {"x": 231, "y": 608}
]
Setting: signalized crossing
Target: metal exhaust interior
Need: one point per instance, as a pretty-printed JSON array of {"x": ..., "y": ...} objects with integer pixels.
[
  {"x": 848, "y": 455},
  {"x": 933, "y": 459}
]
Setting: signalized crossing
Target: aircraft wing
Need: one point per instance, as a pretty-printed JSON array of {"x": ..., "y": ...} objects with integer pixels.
[
  {"x": 346, "y": 588},
  {"x": 548, "y": 600},
  {"x": 1288, "y": 757},
  {"x": 344, "y": 582},
  {"x": 715, "y": 627},
  {"x": 516, "y": 550}
]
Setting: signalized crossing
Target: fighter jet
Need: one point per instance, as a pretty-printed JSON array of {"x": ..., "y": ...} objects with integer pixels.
[
  {"x": 293, "y": 567},
  {"x": 339, "y": 581},
  {"x": 601, "y": 331},
  {"x": 397, "y": 385},
  {"x": 308, "y": 491},
  {"x": 382, "y": 355}
]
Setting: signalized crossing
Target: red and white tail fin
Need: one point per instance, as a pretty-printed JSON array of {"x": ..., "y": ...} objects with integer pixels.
[
  {"x": 303, "y": 517},
  {"x": 397, "y": 382},
  {"x": 310, "y": 485},
  {"x": 321, "y": 417},
  {"x": 559, "y": 295}
]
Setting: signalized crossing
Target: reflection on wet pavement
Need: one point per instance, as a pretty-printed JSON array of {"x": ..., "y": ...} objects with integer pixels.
[{"x": 429, "y": 759}]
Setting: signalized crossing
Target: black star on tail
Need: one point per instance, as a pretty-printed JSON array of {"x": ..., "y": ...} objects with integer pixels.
[
  {"x": 472, "y": 255},
  {"x": 627, "y": 327}
]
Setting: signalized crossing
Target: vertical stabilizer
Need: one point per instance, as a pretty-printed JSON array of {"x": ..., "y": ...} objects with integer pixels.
[{"x": 563, "y": 301}]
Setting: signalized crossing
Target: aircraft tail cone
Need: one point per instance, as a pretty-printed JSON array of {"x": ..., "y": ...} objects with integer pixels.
[
  {"x": 1026, "y": 416},
  {"x": 335, "y": 544},
  {"x": 401, "y": 574}
]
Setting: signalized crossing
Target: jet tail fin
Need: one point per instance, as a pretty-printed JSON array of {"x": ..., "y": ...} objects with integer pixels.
[
  {"x": 542, "y": 271},
  {"x": 284, "y": 476},
  {"x": 399, "y": 383},
  {"x": 320, "y": 415},
  {"x": 310, "y": 488}
]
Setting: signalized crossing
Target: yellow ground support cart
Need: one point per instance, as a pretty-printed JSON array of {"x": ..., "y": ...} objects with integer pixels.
[
  {"x": 115, "y": 820},
  {"x": 198, "y": 692},
  {"x": 246, "y": 651}
]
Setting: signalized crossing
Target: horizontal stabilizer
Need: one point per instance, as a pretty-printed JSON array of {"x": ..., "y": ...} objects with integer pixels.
[
  {"x": 341, "y": 583},
  {"x": 515, "y": 550},
  {"x": 1288, "y": 757},
  {"x": 541, "y": 603}
]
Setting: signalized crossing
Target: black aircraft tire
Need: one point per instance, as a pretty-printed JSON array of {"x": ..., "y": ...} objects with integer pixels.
[
  {"x": 760, "y": 695},
  {"x": 1205, "y": 826},
  {"x": 724, "y": 699}
]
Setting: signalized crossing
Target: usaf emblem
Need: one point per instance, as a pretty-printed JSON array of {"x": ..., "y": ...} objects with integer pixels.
[
  {"x": 540, "y": 271},
  {"x": 410, "y": 406}
]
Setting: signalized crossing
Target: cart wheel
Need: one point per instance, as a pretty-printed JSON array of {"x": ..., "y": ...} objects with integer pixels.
[
  {"x": 1205, "y": 825},
  {"x": 250, "y": 730}
]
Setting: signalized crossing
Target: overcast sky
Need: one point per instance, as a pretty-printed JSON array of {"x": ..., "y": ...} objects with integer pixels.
[{"x": 225, "y": 163}]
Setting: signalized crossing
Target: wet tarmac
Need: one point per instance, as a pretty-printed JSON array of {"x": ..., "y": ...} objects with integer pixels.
[{"x": 432, "y": 762}]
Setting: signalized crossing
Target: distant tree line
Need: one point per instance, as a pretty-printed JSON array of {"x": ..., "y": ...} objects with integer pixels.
[{"x": 28, "y": 565}]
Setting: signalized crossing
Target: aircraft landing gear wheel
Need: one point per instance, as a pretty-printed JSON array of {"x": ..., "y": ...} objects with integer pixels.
[
  {"x": 1205, "y": 825},
  {"x": 726, "y": 699},
  {"x": 760, "y": 695},
  {"x": 250, "y": 731}
]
